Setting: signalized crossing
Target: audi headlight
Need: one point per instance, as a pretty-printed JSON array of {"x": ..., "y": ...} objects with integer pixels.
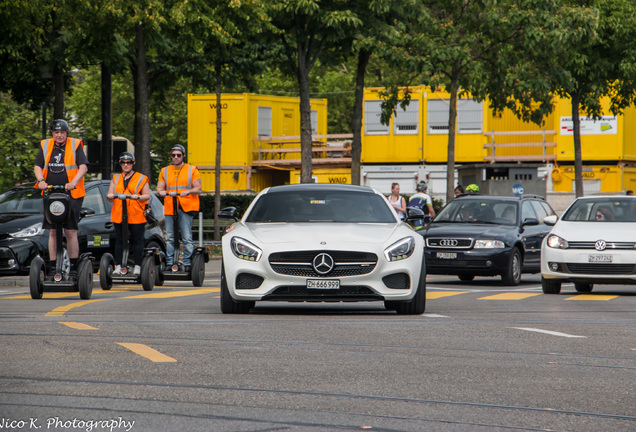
[
  {"x": 245, "y": 250},
  {"x": 400, "y": 250},
  {"x": 489, "y": 244},
  {"x": 554, "y": 241},
  {"x": 29, "y": 231}
]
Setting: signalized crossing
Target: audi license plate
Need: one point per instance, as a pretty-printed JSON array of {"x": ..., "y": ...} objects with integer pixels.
[
  {"x": 600, "y": 258},
  {"x": 446, "y": 255},
  {"x": 323, "y": 284}
]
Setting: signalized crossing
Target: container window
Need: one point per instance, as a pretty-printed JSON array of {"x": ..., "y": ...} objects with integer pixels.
[
  {"x": 264, "y": 121},
  {"x": 406, "y": 122},
  {"x": 372, "y": 124}
]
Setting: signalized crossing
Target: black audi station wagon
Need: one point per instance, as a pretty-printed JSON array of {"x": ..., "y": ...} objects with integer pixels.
[{"x": 478, "y": 235}]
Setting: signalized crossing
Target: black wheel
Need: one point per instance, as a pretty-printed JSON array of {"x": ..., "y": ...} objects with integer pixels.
[
  {"x": 550, "y": 286},
  {"x": 512, "y": 276},
  {"x": 148, "y": 276},
  {"x": 466, "y": 277},
  {"x": 161, "y": 266},
  {"x": 583, "y": 287},
  {"x": 228, "y": 304},
  {"x": 198, "y": 270},
  {"x": 85, "y": 279},
  {"x": 36, "y": 277},
  {"x": 417, "y": 305},
  {"x": 106, "y": 265}
]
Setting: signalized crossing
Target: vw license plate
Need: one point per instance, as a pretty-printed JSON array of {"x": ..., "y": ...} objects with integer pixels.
[
  {"x": 600, "y": 258},
  {"x": 323, "y": 283},
  {"x": 446, "y": 255}
]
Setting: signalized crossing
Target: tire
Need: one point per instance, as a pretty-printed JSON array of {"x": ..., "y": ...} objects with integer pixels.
[
  {"x": 161, "y": 266},
  {"x": 466, "y": 277},
  {"x": 36, "y": 277},
  {"x": 512, "y": 275},
  {"x": 417, "y": 305},
  {"x": 106, "y": 265},
  {"x": 198, "y": 270},
  {"x": 85, "y": 279},
  {"x": 228, "y": 304},
  {"x": 550, "y": 286},
  {"x": 583, "y": 287},
  {"x": 148, "y": 269}
]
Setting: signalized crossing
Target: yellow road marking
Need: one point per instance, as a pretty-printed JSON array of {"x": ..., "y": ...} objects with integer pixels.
[
  {"x": 509, "y": 296},
  {"x": 145, "y": 351},
  {"x": 47, "y": 295},
  {"x": 60, "y": 311},
  {"x": 77, "y": 326},
  {"x": 175, "y": 294},
  {"x": 431, "y": 295},
  {"x": 593, "y": 297}
]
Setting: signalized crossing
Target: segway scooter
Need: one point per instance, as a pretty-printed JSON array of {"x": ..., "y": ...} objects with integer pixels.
[
  {"x": 57, "y": 210},
  {"x": 199, "y": 254},
  {"x": 107, "y": 263}
]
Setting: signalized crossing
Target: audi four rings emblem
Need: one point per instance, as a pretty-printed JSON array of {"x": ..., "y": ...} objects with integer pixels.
[
  {"x": 323, "y": 263},
  {"x": 600, "y": 245},
  {"x": 448, "y": 242}
]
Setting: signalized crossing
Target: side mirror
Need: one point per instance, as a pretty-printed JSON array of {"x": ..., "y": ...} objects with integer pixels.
[
  {"x": 550, "y": 220},
  {"x": 229, "y": 213},
  {"x": 85, "y": 211},
  {"x": 530, "y": 221},
  {"x": 413, "y": 213}
]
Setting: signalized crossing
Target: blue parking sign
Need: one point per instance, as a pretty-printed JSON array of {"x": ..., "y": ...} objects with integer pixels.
[{"x": 517, "y": 189}]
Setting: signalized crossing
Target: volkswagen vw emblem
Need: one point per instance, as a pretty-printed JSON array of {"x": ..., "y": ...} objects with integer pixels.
[
  {"x": 600, "y": 245},
  {"x": 448, "y": 242},
  {"x": 323, "y": 263}
]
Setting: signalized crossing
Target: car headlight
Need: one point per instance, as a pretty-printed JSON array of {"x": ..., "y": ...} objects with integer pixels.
[
  {"x": 30, "y": 231},
  {"x": 245, "y": 250},
  {"x": 489, "y": 244},
  {"x": 400, "y": 250},
  {"x": 554, "y": 241}
]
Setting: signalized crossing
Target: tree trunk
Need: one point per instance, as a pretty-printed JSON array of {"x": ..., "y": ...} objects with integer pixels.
[
  {"x": 578, "y": 159},
  {"x": 452, "y": 126},
  {"x": 356, "y": 124},
  {"x": 217, "y": 164},
  {"x": 142, "y": 116},
  {"x": 58, "y": 92},
  {"x": 305, "y": 125}
]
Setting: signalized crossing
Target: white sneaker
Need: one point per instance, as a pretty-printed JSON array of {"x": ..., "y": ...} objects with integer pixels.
[
  {"x": 137, "y": 270},
  {"x": 117, "y": 270}
]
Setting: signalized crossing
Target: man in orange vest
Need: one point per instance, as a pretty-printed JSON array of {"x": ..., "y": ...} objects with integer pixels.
[
  {"x": 61, "y": 161},
  {"x": 184, "y": 179}
]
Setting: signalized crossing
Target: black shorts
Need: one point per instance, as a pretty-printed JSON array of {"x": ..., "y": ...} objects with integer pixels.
[{"x": 73, "y": 220}]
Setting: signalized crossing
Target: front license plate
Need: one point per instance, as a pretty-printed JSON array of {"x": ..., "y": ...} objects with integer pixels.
[
  {"x": 323, "y": 283},
  {"x": 600, "y": 258},
  {"x": 446, "y": 255}
]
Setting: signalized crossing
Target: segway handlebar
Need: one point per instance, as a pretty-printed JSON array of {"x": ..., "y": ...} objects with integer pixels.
[
  {"x": 123, "y": 196},
  {"x": 172, "y": 194}
]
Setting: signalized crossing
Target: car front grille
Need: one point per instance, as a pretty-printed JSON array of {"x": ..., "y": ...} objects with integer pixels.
[
  {"x": 604, "y": 269},
  {"x": 344, "y": 293},
  {"x": 449, "y": 243},
  {"x": 346, "y": 263},
  {"x": 608, "y": 245}
]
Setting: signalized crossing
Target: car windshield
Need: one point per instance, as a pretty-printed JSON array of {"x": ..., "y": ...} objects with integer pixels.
[
  {"x": 321, "y": 206},
  {"x": 22, "y": 200},
  {"x": 602, "y": 210},
  {"x": 493, "y": 211}
]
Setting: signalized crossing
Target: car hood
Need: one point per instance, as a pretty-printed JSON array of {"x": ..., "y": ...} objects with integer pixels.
[
  {"x": 466, "y": 230},
  {"x": 12, "y": 222},
  {"x": 592, "y": 231},
  {"x": 314, "y": 233}
]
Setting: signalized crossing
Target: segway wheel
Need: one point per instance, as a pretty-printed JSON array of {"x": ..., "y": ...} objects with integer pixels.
[
  {"x": 106, "y": 271},
  {"x": 160, "y": 269},
  {"x": 148, "y": 273},
  {"x": 198, "y": 270},
  {"x": 85, "y": 280},
  {"x": 36, "y": 277}
]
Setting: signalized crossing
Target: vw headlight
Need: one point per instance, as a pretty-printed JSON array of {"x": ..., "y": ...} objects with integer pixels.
[
  {"x": 489, "y": 244},
  {"x": 554, "y": 241},
  {"x": 245, "y": 250},
  {"x": 400, "y": 250},
  {"x": 29, "y": 231}
]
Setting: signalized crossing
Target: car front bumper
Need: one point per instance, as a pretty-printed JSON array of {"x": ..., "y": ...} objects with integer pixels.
[
  {"x": 16, "y": 255},
  {"x": 589, "y": 266},
  {"x": 478, "y": 262}
]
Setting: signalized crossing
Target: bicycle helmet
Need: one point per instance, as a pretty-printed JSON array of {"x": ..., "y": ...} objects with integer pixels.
[
  {"x": 472, "y": 188},
  {"x": 421, "y": 187},
  {"x": 59, "y": 125},
  {"x": 127, "y": 156},
  {"x": 178, "y": 147}
]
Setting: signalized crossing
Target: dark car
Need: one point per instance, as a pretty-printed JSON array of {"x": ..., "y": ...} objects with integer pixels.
[
  {"x": 477, "y": 235},
  {"x": 22, "y": 237}
]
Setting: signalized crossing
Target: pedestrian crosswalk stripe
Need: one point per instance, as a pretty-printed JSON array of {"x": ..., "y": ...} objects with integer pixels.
[
  {"x": 509, "y": 296},
  {"x": 593, "y": 297},
  {"x": 174, "y": 293},
  {"x": 431, "y": 295}
]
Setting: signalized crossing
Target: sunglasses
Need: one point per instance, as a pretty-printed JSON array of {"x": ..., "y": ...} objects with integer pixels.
[
  {"x": 176, "y": 155},
  {"x": 125, "y": 163},
  {"x": 599, "y": 216}
]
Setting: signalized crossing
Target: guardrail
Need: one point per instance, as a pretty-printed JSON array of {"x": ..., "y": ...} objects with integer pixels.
[{"x": 544, "y": 145}]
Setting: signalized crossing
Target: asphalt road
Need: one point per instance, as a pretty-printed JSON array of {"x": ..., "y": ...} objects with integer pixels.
[{"x": 482, "y": 358}]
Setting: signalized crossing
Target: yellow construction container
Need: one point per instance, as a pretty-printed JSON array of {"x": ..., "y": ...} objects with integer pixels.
[
  {"x": 245, "y": 117},
  {"x": 325, "y": 175}
]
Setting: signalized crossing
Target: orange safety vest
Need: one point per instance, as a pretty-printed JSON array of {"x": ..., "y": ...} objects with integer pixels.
[
  {"x": 187, "y": 174},
  {"x": 70, "y": 163},
  {"x": 134, "y": 209}
]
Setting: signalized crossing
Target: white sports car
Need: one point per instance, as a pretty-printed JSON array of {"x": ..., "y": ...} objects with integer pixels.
[
  {"x": 593, "y": 243},
  {"x": 322, "y": 242}
]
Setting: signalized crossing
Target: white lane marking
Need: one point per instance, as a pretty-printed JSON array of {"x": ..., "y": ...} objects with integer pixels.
[
  {"x": 434, "y": 316},
  {"x": 553, "y": 333}
]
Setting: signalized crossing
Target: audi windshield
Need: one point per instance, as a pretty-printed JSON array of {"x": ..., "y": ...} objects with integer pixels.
[{"x": 489, "y": 211}]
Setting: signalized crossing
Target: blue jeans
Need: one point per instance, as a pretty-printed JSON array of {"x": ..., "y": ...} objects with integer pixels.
[{"x": 185, "y": 229}]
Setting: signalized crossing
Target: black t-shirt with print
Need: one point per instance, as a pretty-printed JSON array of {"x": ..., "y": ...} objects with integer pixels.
[{"x": 57, "y": 174}]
